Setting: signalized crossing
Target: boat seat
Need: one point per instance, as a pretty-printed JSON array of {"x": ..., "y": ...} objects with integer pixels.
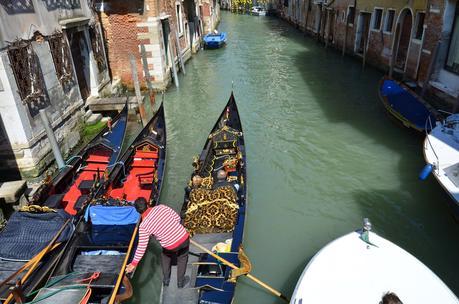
[
  {"x": 95, "y": 167},
  {"x": 98, "y": 159},
  {"x": 143, "y": 163},
  {"x": 54, "y": 201},
  {"x": 146, "y": 154},
  {"x": 117, "y": 193}
]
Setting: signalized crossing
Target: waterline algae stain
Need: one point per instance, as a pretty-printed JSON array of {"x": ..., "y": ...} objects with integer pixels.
[{"x": 323, "y": 155}]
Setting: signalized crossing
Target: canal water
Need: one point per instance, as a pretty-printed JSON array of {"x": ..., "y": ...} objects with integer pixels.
[{"x": 321, "y": 155}]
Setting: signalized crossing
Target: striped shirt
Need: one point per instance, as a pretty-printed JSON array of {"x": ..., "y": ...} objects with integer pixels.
[{"x": 164, "y": 224}]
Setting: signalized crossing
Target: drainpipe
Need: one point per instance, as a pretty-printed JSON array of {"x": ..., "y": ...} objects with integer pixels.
[{"x": 52, "y": 139}]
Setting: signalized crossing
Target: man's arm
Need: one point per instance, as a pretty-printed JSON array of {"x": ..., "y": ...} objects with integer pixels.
[{"x": 141, "y": 246}]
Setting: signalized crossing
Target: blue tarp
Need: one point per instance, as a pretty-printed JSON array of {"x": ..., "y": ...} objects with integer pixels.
[
  {"x": 112, "y": 215},
  {"x": 406, "y": 104},
  {"x": 26, "y": 234},
  {"x": 111, "y": 235}
]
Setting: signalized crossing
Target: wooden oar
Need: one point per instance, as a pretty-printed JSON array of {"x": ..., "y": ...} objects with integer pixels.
[
  {"x": 253, "y": 278},
  {"x": 25, "y": 266},
  {"x": 126, "y": 259},
  {"x": 38, "y": 258}
]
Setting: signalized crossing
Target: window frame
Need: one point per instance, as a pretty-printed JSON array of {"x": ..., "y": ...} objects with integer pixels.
[
  {"x": 416, "y": 26},
  {"x": 386, "y": 19},
  {"x": 456, "y": 20},
  {"x": 373, "y": 19},
  {"x": 348, "y": 15},
  {"x": 179, "y": 12}
]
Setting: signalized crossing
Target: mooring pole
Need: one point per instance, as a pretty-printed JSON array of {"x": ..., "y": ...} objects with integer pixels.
[
  {"x": 138, "y": 95},
  {"x": 52, "y": 139},
  {"x": 179, "y": 52},
  {"x": 172, "y": 61}
]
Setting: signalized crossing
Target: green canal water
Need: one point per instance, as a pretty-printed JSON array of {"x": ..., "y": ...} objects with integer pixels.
[{"x": 321, "y": 155}]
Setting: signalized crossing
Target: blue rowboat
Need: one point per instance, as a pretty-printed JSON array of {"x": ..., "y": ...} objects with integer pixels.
[
  {"x": 406, "y": 105},
  {"x": 214, "y": 41}
]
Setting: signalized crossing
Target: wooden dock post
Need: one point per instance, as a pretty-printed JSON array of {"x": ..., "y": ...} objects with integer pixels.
[
  {"x": 52, "y": 139},
  {"x": 138, "y": 95},
  {"x": 146, "y": 71},
  {"x": 179, "y": 52},
  {"x": 172, "y": 61}
]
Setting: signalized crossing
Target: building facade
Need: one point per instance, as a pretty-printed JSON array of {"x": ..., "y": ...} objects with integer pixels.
[
  {"x": 416, "y": 40},
  {"x": 51, "y": 57},
  {"x": 156, "y": 33}
]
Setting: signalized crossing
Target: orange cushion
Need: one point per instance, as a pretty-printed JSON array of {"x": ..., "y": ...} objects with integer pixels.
[
  {"x": 142, "y": 163},
  {"x": 98, "y": 159},
  {"x": 146, "y": 154}
]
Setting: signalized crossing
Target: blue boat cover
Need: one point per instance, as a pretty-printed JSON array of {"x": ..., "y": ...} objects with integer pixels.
[
  {"x": 406, "y": 104},
  {"x": 26, "y": 234},
  {"x": 112, "y": 215},
  {"x": 111, "y": 235}
]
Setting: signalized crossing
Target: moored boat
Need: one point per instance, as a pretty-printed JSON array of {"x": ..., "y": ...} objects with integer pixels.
[
  {"x": 441, "y": 153},
  {"x": 52, "y": 207},
  {"x": 214, "y": 213},
  {"x": 406, "y": 106},
  {"x": 91, "y": 269},
  {"x": 214, "y": 40},
  {"x": 361, "y": 267},
  {"x": 258, "y": 11}
]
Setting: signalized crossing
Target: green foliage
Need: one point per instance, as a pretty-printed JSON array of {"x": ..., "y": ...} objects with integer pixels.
[{"x": 91, "y": 131}]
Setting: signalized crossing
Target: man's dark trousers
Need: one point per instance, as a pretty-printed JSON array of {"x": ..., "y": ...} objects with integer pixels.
[{"x": 181, "y": 252}]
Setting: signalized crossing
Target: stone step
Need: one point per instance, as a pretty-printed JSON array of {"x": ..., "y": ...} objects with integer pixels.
[
  {"x": 87, "y": 115},
  {"x": 12, "y": 191},
  {"x": 93, "y": 119},
  {"x": 105, "y": 119}
]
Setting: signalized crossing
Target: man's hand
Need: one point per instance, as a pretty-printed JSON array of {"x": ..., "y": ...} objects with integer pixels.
[{"x": 130, "y": 268}]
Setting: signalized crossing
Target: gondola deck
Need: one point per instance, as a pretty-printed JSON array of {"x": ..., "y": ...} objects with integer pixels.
[
  {"x": 208, "y": 280},
  {"x": 104, "y": 240},
  {"x": 63, "y": 193}
]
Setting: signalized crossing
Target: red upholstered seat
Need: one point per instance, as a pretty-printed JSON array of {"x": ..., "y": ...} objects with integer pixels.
[
  {"x": 146, "y": 154},
  {"x": 70, "y": 199},
  {"x": 94, "y": 167},
  {"x": 98, "y": 159},
  {"x": 117, "y": 193},
  {"x": 142, "y": 163}
]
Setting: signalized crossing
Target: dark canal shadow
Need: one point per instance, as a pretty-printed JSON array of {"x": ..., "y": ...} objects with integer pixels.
[
  {"x": 416, "y": 210},
  {"x": 9, "y": 168}
]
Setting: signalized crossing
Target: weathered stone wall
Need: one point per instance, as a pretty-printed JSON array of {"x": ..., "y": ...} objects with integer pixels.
[{"x": 130, "y": 26}]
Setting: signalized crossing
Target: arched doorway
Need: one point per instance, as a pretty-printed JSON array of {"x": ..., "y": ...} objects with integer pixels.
[{"x": 402, "y": 38}]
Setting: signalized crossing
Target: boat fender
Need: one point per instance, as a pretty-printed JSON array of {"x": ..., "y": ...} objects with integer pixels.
[{"x": 426, "y": 172}]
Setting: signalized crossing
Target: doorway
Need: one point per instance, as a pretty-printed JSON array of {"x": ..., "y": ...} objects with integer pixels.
[
  {"x": 363, "y": 29},
  {"x": 402, "y": 38},
  {"x": 80, "y": 55}
]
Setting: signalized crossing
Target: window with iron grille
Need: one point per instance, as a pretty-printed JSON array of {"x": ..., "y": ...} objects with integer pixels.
[
  {"x": 28, "y": 75},
  {"x": 97, "y": 48},
  {"x": 62, "y": 60}
]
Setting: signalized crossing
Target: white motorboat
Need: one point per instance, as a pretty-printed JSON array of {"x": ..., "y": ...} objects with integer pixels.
[
  {"x": 258, "y": 11},
  {"x": 361, "y": 267},
  {"x": 441, "y": 152}
]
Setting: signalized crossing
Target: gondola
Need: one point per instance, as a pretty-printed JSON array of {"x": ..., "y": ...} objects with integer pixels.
[
  {"x": 214, "y": 214},
  {"x": 91, "y": 269},
  {"x": 406, "y": 106},
  {"x": 55, "y": 203}
]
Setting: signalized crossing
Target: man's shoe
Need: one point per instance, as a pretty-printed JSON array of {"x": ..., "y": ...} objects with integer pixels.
[{"x": 166, "y": 283}]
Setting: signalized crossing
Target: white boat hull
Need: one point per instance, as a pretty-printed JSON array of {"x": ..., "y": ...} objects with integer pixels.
[
  {"x": 441, "y": 149},
  {"x": 349, "y": 270}
]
